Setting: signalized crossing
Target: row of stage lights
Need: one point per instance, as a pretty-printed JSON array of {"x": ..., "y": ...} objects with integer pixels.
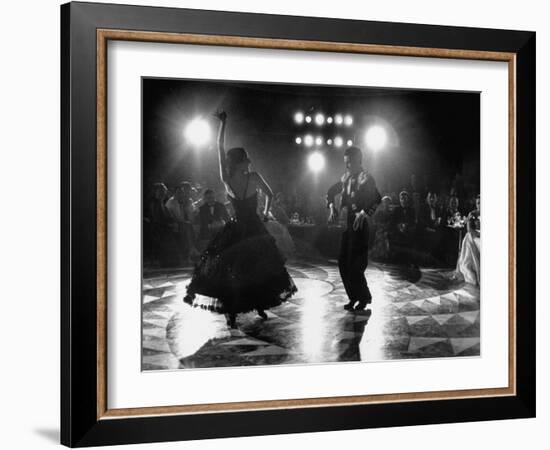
[
  {"x": 320, "y": 119},
  {"x": 310, "y": 141},
  {"x": 376, "y": 138}
]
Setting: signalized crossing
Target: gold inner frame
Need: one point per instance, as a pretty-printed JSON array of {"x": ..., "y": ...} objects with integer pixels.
[{"x": 104, "y": 35}]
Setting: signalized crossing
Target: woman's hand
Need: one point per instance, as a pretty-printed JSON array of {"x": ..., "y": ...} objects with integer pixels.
[
  {"x": 221, "y": 116},
  {"x": 360, "y": 219}
]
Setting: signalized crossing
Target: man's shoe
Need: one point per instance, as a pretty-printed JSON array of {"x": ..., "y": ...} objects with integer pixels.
[
  {"x": 363, "y": 304},
  {"x": 349, "y": 306}
]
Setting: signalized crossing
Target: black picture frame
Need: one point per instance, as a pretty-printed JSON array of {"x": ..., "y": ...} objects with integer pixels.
[{"x": 80, "y": 424}]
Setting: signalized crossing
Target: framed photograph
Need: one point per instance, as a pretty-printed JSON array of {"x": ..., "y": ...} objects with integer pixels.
[{"x": 272, "y": 224}]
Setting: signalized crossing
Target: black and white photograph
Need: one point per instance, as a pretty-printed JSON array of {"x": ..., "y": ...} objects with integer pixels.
[
  {"x": 258, "y": 224},
  {"x": 305, "y": 224}
]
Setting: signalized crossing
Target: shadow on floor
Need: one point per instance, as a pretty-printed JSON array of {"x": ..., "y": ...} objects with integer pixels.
[{"x": 410, "y": 273}]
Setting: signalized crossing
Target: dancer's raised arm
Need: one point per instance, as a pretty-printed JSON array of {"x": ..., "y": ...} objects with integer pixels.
[{"x": 222, "y": 116}]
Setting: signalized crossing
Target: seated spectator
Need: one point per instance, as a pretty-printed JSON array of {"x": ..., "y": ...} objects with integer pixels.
[
  {"x": 453, "y": 228},
  {"x": 452, "y": 213},
  {"x": 403, "y": 227},
  {"x": 156, "y": 208},
  {"x": 430, "y": 216},
  {"x": 299, "y": 204},
  {"x": 469, "y": 262},
  {"x": 382, "y": 219},
  {"x": 430, "y": 231},
  {"x": 403, "y": 215},
  {"x": 469, "y": 203},
  {"x": 212, "y": 215},
  {"x": 180, "y": 208},
  {"x": 159, "y": 238}
]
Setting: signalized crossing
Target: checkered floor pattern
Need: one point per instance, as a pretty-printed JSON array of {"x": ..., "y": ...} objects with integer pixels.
[{"x": 416, "y": 313}]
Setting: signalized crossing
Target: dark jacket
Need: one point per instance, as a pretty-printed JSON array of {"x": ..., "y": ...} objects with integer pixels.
[
  {"x": 404, "y": 216},
  {"x": 363, "y": 193},
  {"x": 425, "y": 218},
  {"x": 207, "y": 217}
]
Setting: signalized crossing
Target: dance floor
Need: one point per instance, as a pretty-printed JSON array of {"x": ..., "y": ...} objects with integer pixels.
[{"x": 416, "y": 313}]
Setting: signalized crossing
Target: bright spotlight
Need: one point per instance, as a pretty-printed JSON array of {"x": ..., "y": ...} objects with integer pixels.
[
  {"x": 348, "y": 120},
  {"x": 350, "y": 142},
  {"x": 298, "y": 140},
  {"x": 316, "y": 162},
  {"x": 338, "y": 119},
  {"x": 308, "y": 140},
  {"x": 319, "y": 140},
  {"x": 197, "y": 132},
  {"x": 329, "y": 141},
  {"x": 319, "y": 119},
  {"x": 376, "y": 137},
  {"x": 329, "y": 119},
  {"x": 299, "y": 117},
  {"x": 308, "y": 119},
  {"x": 338, "y": 141}
]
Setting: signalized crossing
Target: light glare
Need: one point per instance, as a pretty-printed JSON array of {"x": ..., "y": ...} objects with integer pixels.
[
  {"x": 376, "y": 137},
  {"x": 197, "y": 132},
  {"x": 316, "y": 162}
]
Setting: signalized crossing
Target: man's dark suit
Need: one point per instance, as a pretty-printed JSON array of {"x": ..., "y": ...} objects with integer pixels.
[
  {"x": 359, "y": 193},
  {"x": 425, "y": 219}
]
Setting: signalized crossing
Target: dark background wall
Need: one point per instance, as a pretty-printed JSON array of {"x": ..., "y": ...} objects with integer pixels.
[{"x": 434, "y": 134}]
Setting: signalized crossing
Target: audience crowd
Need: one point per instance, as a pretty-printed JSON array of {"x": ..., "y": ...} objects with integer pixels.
[{"x": 413, "y": 224}]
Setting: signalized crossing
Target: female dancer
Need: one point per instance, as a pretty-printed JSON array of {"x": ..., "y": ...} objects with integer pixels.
[{"x": 241, "y": 269}]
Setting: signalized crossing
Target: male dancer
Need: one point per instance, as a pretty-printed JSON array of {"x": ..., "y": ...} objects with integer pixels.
[{"x": 361, "y": 197}]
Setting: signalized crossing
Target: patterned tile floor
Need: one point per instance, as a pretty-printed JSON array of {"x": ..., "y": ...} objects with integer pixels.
[{"x": 416, "y": 313}]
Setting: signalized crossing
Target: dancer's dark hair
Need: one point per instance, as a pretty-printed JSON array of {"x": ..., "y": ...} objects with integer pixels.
[{"x": 236, "y": 156}]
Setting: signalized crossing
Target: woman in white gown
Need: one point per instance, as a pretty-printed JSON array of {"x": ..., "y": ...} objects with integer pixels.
[{"x": 468, "y": 265}]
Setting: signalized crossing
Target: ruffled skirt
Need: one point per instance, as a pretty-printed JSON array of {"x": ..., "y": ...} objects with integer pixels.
[{"x": 241, "y": 270}]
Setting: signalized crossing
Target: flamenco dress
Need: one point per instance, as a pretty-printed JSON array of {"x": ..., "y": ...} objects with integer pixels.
[{"x": 241, "y": 269}]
